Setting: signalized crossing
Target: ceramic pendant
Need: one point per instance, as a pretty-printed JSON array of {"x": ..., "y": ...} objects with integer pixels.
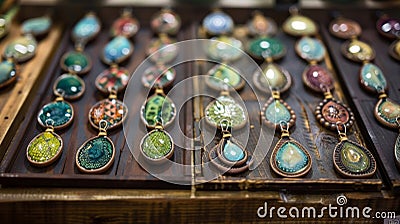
[
  {"x": 162, "y": 50},
  {"x": 8, "y": 72},
  {"x": 273, "y": 77},
  {"x": 166, "y": 21},
  {"x": 298, "y": 25},
  {"x": 310, "y": 49},
  {"x": 266, "y": 47},
  {"x": 158, "y": 106},
  {"x": 157, "y": 146},
  {"x": 394, "y": 50},
  {"x": 71, "y": 85},
  {"x": 397, "y": 148},
  {"x": 112, "y": 78},
  {"x": 372, "y": 78},
  {"x": 158, "y": 76},
  {"x": 225, "y": 108},
  {"x": 218, "y": 23},
  {"x": 330, "y": 111},
  {"x": 318, "y": 78},
  {"x": 221, "y": 75},
  {"x": 97, "y": 154},
  {"x": 261, "y": 25},
  {"x": 344, "y": 28},
  {"x": 276, "y": 111},
  {"x": 44, "y": 148},
  {"x": 59, "y": 111},
  {"x": 86, "y": 28},
  {"x": 228, "y": 50},
  {"x": 126, "y": 26},
  {"x": 4, "y": 26},
  {"x": 21, "y": 49},
  {"x": 358, "y": 51},
  {"x": 76, "y": 62},
  {"x": 36, "y": 26},
  {"x": 389, "y": 27},
  {"x": 387, "y": 111},
  {"x": 111, "y": 110},
  {"x": 117, "y": 50}
]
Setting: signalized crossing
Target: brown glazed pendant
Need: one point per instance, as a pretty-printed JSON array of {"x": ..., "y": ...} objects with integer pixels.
[
  {"x": 345, "y": 28},
  {"x": 318, "y": 78},
  {"x": 330, "y": 111}
]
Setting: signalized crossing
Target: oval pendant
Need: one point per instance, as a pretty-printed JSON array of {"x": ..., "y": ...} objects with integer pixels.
[
  {"x": 358, "y": 51},
  {"x": 72, "y": 86},
  {"x": 156, "y": 106},
  {"x": 262, "y": 26},
  {"x": 61, "y": 112},
  {"x": 166, "y": 21},
  {"x": 8, "y": 73},
  {"x": 290, "y": 159},
  {"x": 372, "y": 78},
  {"x": 231, "y": 152},
  {"x": 36, "y": 26},
  {"x": 310, "y": 49},
  {"x": 218, "y": 23},
  {"x": 225, "y": 108},
  {"x": 44, "y": 149},
  {"x": 76, "y": 62},
  {"x": 387, "y": 112},
  {"x": 113, "y": 111},
  {"x": 4, "y": 27},
  {"x": 112, "y": 78},
  {"x": 221, "y": 75},
  {"x": 158, "y": 76},
  {"x": 117, "y": 50},
  {"x": 318, "y": 78},
  {"x": 126, "y": 26},
  {"x": 21, "y": 49},
  {"x": 86, "y": 28},
  {"x": 96, "y": 155},
  {"x": 157, "y": 146},
  {"x": 394, "y": 50},
  {"x": 389, "y": 27},
  {"x": 345, "y": 28},
  {"x": 226, "y": 51},
  {"x": 330, "y": 111},
  {"x": 276, "y": 111},
  {"x": 273, "y": 77},
  {"x": 266, "y": 47},
  {"x": 353, "y": 160},
  {"x": 397, "y": 151},
  {"x": 162, "y": 50},
  {"x": 298, "y": 25},
  {"x": 224, "y": 166}
]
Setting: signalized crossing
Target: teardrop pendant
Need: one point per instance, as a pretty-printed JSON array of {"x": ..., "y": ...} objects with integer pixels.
[
  {"x": 112, "y": 78},
  {"x": 86, "y": 28},
  {"x": 358, "y": 51},
  {"x": 387, "y": 111},
  {"x": 330, "y": 111},
  {"x": 221, "y": 75},
  {"x": 310, "y": 49},
  {"x": 372, "y": 78},
  {"x": 117, "y": 50},
  {"x": 224, "y": 48},
  {"x": 157, "y": 146},
  {"x": 298, "y": 25},
  {"x": 158, "y": 105},
  {"x": 218, "y": 23},
  {"x": 8, "y": 72},
  {"x": 276, "y": 111},
  {"x": 36, "y": 26},
  {"x": 97, "y": 154},
  {"x": 273, "y": 77}
]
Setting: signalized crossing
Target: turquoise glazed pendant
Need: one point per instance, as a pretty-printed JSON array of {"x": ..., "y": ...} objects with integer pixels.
[
  {"x": 86, "y": 28},
  {"x": 218, "y": 23},
  {"x": 310, "y": 49},
  {"x": 117, "y": 50},
  {"x": 372, "y": 78},
  {"x": 76, "y": 62},
  {"x": 156, "y": 107},
  {"x": 221, "y": 75},
  {"x": 157, "y": 146},
  {"x": 224, "y": 49},
  {"x": 8, "y": 72},
  {"x": 21, "y": 49},
  {"x": 266, "y": 47},
  {"x": 36, "y": 26},
  {"x": 97, "y": 154},
  {"x": 59, "y": 111},
  {"x": 387, "y": 111},
  {"x": 71, "y": 85},
  {"x": 276, "y": 111}
]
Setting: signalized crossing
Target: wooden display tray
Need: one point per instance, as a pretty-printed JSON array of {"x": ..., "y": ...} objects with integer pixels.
[{"x": 126, "y": 172}]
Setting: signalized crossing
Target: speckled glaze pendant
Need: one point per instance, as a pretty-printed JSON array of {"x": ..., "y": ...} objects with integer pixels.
[
  {"x": 276, "y": 111},
  {"x": 60, "y": 112},
  {"x": 44, "y": 148},
  {"x": 158, "y": 106},
  {"x": 225, "y": 108},
  {"x": 71, "y": 85},
  {"x": 289, "y": 158},
  {"x": 86, "y": 29},
  {"x": 310, "y": 49},
  {"x": 220, "y": 76},
  {"x": 157, "y": 146},
  {"x": 158, "y": 76},
  {"x": 96, "y": 155},
  {"x": 218, "y": 23},
  {"x": 352, "y": 160},
  {"x": 272, "y": 77},
  {"x": 318, "y": 78},
  {"x": 260, "y": 25},
  {"x": 8, "y": 72},
  {"x": 372, "y": 78},
  {"x": 299, "y": 25}
]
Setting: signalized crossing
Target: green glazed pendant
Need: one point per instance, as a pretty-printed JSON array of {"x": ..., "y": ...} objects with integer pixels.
[
  {"x": 4, "y": 26},
  {"x": 387, "y": 112},
  {"x": 273, "y": 77},
  {"x": 266, "y": 47},
  {"x": 358, "y": 51},
  {"x": 36, "y": 26},
  {"x": 8, "y": 72},
  {"x": 353, "y": 160},
  {"x": 71, "y": 85},
  {"x": 221, "y": 75},
  {"x": 157, "y": 146},
  {"x": 298, "y": 25},
  {"x": 59, "y": 111},
  {"x": 21, "y": 49},
  {"x": 156, "y": 107},
  {"x": 76, "y": 62},
  {"x": 276, "y": 111},
  {"x": 372, "y": 78},
  {"x": 224, "y": 49},
  {"x": 45, "y": 148}
]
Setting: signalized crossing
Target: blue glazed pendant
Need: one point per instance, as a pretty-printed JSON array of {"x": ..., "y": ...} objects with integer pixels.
[
  {"x": 86, "y": 29},
  {"x": 36, "y": 26},
  {"x": 276, "y": 111},
  {"x": 310, "y": 49},
  {"x": 117, "y": 50},
  {"x": 231, "y": 152},
  {"x": 218, "y": 23},
  {"x": 372, "y": 78},
  {"x": 7, "y": 72}
]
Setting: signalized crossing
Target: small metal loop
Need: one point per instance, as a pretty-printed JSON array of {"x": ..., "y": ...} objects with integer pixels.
[
  {"x": 103, "y": 126},
  {"x": 398, "y": 121},
  {"x": 225, "y": 128},
  {"x": 60, "y": 93},
  {"x": 49, "y": 122},
  {"x": 338, "y": 127},
  {"x": 284, "y": 126}
]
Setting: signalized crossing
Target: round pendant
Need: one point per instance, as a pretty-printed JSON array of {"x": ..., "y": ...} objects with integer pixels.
[
  {"x": 36, "y": 26},
  {"x": 8, "y": 73},
  {"x": 221, "y": 75},
  {"x": 353, "y": 161},
  {"x": 86, "y": 28},
  {"x": 387, "y": 112},
  {"x": 4, "y": 27},
  {"x": 388, "y": 27},
  {"x": 330, "y": 111},
  {"x": 218, "y": 23},
  {"x": 298, "y": 25},
  {"x": 76, "y": 62},
  {"x": 358, "y": 51},
  {"x": 345, "y": 28},
  {"x": 310, "y": 49},
  {"x": 158, "y": 76},
  {"x": 126, "y": 26},
  {"x": 157, "y": 106},
  {"x": 394, "y": 50},
  {"x": 372, "y": 78},
  {"x": 44, "y": 149},
  {"x": 276, "y": 111},
  {"x": 162, "y": 50},
  {"x": 225, "y": 108},
  {"x": 228, "y": 50},
  {"x": 266, "y": 47},
  {"x": 262, "y": 26},
  {"x": 290, "y": 159},
  {"x": 157, "y": 146},
  {"x": 21, "y": 49},
  {"x": 318, "y": 78},
  {"x": 112, "y": 78},
  {"x": 96, "y": 155},
  {"x": 113, "y": 111},
  {"x": 231, "y": 152},
  {"x": 61, "y": 112},
  {"x": 166, "y": 21},
  {"x": 72, "y": 86},
  {"x": 273, "y": 77},
  {"x": 117, "y": 50}
]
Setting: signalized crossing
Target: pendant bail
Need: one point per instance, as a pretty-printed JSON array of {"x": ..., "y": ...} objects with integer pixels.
[
  {"x": 225, "y": 124},
  {"x": 284, "y": 129},
  {"x": 60, "y": 95},
  {"x": 342, "y": 133},
  {"x": 276, "y": 95},
  {"x": 327, "y": 91},
  {"x": 103, "y": 125},
  {"x": 113, "y": 92}
]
